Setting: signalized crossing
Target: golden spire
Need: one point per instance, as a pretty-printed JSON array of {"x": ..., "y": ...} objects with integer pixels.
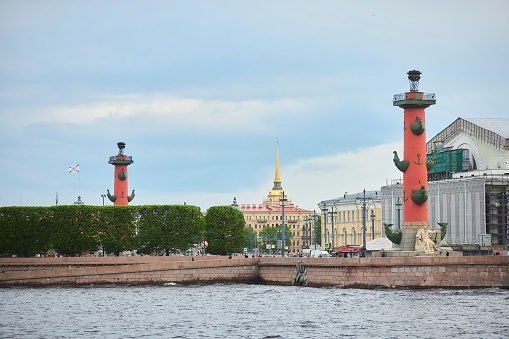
[
  {"x": 275, "y": 194},
  {"x": 277, "y": 178}
]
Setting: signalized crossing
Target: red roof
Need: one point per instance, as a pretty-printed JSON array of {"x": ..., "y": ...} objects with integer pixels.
[
  {"x": 262, "y": 208},
  {"x": 346, "y": 249}
]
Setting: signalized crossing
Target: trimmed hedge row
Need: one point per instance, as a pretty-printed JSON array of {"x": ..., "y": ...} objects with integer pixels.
[{"x": 77, "y": 229}]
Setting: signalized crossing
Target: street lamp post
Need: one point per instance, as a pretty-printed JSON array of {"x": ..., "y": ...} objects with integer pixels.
[
  {"x": 305, "y": 229},
  {"x": 314, "y": 221},
  {"x": 310, "y": 231},
  {"x": 372, "y": 224},
  {"x": 332, "y": 213},
  {"x": 364, "y": 219},
  {"x": 324, "y": 212},
  {"x": 282, "y": 201},
  {"x": 398, "y": 208},
  {"x": 306, "y": 234}
]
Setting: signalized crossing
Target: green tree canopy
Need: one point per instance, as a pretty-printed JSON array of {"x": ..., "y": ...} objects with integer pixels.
[
  {"x": 224, "y": 230},
  {"x": 169, "y": 227},
  {"x": 270, "y": 236},
  {"x": 249, "y": 235},
  {"x": 118, "y": 229},
  {"x": 318, "y": 232},
  {"x": 75, "y": 229},
  {"x": 24, "y": 231}
]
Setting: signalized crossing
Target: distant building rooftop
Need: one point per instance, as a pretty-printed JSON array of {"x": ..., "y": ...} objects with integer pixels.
[
  {"x": 379, "y": 244},
  {"x": 496, "y": 125},
  {"x": 274, "y": 208},
  {"x": 374, "y": 194}
]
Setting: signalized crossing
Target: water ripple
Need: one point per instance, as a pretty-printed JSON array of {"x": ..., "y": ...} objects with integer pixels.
[{"x": 250, "y": 311}]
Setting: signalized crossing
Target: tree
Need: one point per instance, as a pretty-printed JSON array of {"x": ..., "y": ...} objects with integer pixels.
[
  {"x": 189, "y": 222},
  {"x": 118, "y": 229},
  {"x": 24, "y": 231},
  {"x": 271, "y": 235},
  {"x": 224, "y": 230},
  {"x": 319, "y": 232},
  {"x": 75, "y": 229},
  {"x": 249, "y": 235},
  {"x": 168, "y": 227}
]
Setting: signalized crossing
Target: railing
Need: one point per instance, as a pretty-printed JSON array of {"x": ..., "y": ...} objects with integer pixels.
[
  {"x": 403, "y": 96},
  {"x": 399, "y": 97},
  {"x": 114, "y": 157}
]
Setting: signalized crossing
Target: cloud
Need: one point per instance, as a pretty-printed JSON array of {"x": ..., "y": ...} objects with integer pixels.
[
  {"x": 201, "y": 91},
  {"x": 312, "y": 180},
  {"x": 173, "y": 113}
]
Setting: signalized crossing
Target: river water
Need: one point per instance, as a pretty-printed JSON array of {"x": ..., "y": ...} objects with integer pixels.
[{"x": 251, "y": 311}]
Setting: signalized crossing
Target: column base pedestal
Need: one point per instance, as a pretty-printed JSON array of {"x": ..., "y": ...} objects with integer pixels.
[{"x": 409, "y": 230}]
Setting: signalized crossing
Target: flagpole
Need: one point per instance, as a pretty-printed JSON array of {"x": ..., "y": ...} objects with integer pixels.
[{"x": 74, "y": 169}]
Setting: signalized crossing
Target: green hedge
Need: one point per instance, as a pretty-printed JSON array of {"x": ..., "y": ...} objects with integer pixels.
[{"x": 76, "y": 229}]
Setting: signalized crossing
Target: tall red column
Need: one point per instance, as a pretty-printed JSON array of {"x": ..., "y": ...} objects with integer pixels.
[
  {"x": 415, "y": 178},
  {"x": 413, "y": 165},
  {"x": 121, "y": 188}
]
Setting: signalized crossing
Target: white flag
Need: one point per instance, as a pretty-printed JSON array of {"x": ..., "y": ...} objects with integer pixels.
[{"x": 74, "y": 169}]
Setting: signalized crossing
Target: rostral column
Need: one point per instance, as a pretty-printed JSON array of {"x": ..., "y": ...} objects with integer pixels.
[
  {"x": 413, "y": 165},
  {"x": 120, "y": 188}
]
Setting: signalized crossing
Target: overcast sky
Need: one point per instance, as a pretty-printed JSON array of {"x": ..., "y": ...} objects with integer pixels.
[{"x": 199, "y": 91}]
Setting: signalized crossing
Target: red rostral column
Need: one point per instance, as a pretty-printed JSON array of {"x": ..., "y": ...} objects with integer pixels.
[
  {"x": 120, "y": 191},
  {"x": 413, "y": 165}
]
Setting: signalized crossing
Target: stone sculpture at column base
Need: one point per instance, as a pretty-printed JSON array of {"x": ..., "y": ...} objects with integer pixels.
[
  {"x": 426, "y": 240},
  {"x": 409, "y": 234}
]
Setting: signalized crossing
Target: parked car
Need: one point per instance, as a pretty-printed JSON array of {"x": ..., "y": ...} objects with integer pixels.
[{"x": 320, "y": 254}]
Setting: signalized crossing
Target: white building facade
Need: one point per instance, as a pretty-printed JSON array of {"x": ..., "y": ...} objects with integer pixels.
[{"x": 472, "y": 198}]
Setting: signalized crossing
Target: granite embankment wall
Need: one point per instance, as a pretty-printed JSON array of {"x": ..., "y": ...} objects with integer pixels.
[
  {"x": 418, "y": 272},
  {"x": 126, "y": 270}
]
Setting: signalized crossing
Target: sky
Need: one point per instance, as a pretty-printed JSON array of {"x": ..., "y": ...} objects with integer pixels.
[{"x": 200, "y": 90}]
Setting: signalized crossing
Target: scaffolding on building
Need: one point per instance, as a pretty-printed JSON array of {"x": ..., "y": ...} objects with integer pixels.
[{"x": 497, "y": 208}]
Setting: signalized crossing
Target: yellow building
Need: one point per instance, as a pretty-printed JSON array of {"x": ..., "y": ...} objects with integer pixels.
[
  {"x": 343, "y": 221},
  {"x": 270, "y": 213}
]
